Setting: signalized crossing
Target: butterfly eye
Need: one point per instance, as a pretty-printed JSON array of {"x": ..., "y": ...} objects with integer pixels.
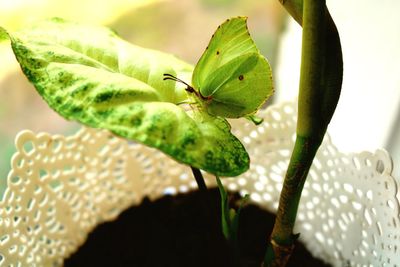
[{"x": 241, "y": 77}]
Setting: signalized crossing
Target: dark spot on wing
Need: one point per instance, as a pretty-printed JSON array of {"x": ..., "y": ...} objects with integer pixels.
[{"x": 241, "y": 77}]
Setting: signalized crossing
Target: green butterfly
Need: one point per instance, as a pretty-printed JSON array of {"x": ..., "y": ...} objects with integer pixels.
[{"x": 232, "y": 79}]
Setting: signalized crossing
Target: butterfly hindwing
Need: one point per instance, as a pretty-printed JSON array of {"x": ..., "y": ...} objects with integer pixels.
[{"x": 245, "y": 88}]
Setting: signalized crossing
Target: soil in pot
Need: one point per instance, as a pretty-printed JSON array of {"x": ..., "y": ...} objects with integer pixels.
[{"x": 179, "y": 231}]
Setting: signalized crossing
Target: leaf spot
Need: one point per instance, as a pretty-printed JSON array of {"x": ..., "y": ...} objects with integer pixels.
[
  {"x": 241, "y": 77},
  {"x": 217, "y": 52}
]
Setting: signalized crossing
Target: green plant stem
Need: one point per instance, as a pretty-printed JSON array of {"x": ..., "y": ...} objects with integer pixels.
[
  {"x": 208, "y": 209},
  {"x": 199, "y": 179},
  {"x": 310, "y": 122},
  {"x": 282, "y": 237},
  {"x": 332, "y": 70},
  {"x": 320, "y": 85}
]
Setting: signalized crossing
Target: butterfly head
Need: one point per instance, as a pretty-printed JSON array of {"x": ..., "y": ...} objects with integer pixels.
[{"x": 188, "y": 88}]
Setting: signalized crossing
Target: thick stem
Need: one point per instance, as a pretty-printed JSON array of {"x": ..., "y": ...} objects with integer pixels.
[
  {"x": 311, "y": 126},
  {"x": 300, "y": 163},
  {"x": 332, "y": 68},
  {"x": 282, "y": 237},
  {"x": 310, "y": 122}
]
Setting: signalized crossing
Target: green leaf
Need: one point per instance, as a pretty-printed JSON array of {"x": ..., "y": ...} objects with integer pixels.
[
  {"x": 236, "y": 215},
  {"x": 229, "y": 216},
  {"x": 225, "y": 212},
  {"x": 90, "y": 75}
]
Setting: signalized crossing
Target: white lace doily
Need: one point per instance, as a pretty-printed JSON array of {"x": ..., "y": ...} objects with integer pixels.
[{"x": 60, "y": 188}]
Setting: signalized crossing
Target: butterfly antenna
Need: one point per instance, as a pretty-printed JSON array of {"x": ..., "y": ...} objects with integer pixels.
[{"x": 168, "y": 76}]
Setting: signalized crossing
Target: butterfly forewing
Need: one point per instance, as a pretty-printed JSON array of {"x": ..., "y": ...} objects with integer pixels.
[{"x": 230, "y": 40}]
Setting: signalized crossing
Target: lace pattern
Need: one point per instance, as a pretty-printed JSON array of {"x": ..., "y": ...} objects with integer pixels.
[{"x": 60, "y": 188}]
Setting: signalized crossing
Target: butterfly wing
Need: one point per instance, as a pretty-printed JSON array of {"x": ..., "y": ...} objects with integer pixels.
[
  {"x": 230, "y": 40},
  {"x": 240, "y": 87},
  {"x": 233, "y": 72}
]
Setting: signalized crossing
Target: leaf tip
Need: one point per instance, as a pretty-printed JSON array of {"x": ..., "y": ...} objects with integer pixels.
[
  {"x": 255, "y": 119},
  {"x": 3, "y": 34}
]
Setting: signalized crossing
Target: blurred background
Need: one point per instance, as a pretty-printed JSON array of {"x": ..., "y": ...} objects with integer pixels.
[{"x": 367, "y": 116}]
